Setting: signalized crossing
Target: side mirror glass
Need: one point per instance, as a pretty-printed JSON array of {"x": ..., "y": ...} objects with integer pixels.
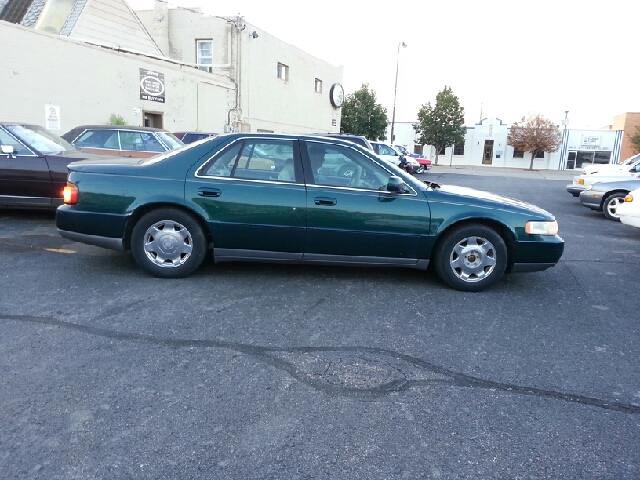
[
  {"x": 396, "y": 185},
  {"x": 7, "y": 149}
]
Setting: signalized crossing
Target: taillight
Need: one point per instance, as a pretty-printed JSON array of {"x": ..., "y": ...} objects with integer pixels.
[{"x": 70, "y": 194}]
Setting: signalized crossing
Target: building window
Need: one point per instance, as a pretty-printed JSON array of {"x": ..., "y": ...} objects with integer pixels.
[
  {"x": 458, "y": 149},
  {"x": 540, "y": 155},
  {"x": 204, "y": 55},
  {"x": 518, "y": 153},
  {"x": 318, "y": 85},
  {"x": 283, "y": 72}
]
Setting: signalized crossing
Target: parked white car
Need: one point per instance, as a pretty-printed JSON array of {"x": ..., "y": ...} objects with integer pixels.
[
  {"x": 629, "y": 211},
  {"x": 582, "y": 181},
  {"x": 389, "y": 154},
  {"x": 611, "y": 167}
]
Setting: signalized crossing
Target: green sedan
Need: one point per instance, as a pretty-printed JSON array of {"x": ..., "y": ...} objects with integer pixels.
[{"x": 299, "y": 199}]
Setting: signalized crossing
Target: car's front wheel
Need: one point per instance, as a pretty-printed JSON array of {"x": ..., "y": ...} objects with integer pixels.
[
  {"x": 168, "y": 243},
  {"x": 471, "y": 257},
  {"x": 611, "y": 204}
]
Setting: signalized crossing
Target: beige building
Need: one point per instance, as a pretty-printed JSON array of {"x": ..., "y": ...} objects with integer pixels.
[
  {"x": 72, "y": 62},
  {"x": 280, "y": 88},
  {"x": 628, "y": 123}
]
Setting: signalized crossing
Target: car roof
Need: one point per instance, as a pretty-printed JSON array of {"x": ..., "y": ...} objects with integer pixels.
[
  {"x": 119, "y": 127},
  {"x": 289, "y": 136}
]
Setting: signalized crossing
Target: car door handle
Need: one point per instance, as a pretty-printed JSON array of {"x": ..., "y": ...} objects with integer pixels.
[
  {"x": 209, "y": 192},
  {"x": 325, "y": 201}
]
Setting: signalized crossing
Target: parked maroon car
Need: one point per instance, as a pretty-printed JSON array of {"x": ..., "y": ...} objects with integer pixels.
[{"x": 33, "y": 166}]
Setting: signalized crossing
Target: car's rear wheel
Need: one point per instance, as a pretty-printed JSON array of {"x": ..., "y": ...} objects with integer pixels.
[
  {"x": 611, "y": 204},
  {"x": 471, "y": 257},
  {"x": 168, "y": 243}
]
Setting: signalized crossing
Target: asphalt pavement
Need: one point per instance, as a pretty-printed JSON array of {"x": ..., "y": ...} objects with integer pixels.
[{"x": 259, "y": 371}]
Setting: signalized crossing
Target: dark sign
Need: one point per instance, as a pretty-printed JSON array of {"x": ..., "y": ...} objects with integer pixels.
[{"x": 151, "y": 86}]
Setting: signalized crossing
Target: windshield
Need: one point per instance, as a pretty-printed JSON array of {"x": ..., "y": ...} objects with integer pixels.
[
  {"x": 41, "y": 139},
  {"x": 170, "y": 140},
  {"x": 400, "y": 149}
]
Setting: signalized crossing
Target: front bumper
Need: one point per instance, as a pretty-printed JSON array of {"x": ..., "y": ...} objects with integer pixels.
[
  {"x": 591, "y": 199},
  {"x": 575, "y": 189},
  {"x": 539, "y": 254}
]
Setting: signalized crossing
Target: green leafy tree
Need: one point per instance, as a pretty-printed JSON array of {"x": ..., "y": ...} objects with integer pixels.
[
  {"x": 442, "y": 124},
  {"x": 117, "y": 120},
  {"x": 635, "y": 139},
  {"x": 361, "y": 115},
  {"x": 534, "y": 134}
]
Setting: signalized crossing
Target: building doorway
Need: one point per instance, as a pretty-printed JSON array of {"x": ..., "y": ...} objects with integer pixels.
[
  {"x": 571, "y": 160},
  {"x": 487, "y": 155},
  {"x": 153, "y": 120}
]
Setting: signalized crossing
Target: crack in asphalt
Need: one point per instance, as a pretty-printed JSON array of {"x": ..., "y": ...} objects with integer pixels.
[{"x": 337, "y": 376}]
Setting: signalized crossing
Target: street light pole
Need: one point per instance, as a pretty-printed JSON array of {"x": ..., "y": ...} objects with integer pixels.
[{"x": 395, "y": 91}]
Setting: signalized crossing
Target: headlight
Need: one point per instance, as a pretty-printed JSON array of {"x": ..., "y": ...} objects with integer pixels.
[{"x": 541, "y": 228}]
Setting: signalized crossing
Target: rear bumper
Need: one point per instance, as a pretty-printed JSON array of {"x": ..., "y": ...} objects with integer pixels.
[{"x": 100, "y": 229}]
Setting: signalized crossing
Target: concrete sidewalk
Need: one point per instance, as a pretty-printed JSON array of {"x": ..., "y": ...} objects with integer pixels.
[{"x": 504, "y": 172}]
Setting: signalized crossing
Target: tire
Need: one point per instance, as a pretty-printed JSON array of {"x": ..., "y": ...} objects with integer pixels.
[
  {"x": 610, "y": 205},
  {"x": 168, "y": 243},
  {"x": 471, "y": 258}
]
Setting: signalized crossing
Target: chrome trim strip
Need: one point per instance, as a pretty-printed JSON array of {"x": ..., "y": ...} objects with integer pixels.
[
  {"x": 19, "y": 197},
  {"x": 229, "y": 254},
  {"x": 360, "y": 261},
  {"x": 104, "y": 242},
  {"x": 354, "y": 189}
]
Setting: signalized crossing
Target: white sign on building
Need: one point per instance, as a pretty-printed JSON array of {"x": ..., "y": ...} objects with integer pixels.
[
  {"x": 591, "y": 140},
  {"x": 52, "y": 117}
]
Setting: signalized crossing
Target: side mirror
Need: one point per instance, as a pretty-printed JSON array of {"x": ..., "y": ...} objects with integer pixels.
[
  {"x": 395, "y": 184},
  {"x": 8, "y": 150}
]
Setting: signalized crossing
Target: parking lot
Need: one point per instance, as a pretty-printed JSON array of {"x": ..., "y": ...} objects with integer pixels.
[{"x": 272, "y": 371}]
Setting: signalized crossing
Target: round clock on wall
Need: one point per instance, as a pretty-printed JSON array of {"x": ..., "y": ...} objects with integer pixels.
[{"x": 336, "y": 95}]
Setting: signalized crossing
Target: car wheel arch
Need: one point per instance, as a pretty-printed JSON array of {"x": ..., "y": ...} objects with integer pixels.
[
  {"x": 608, "y": 195},
  {"x": 142, "y": 210},
  {"x": 500, "y": 228}
]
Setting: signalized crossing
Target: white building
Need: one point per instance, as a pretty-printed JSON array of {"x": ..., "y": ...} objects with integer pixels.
[
  {"x": 280, "y": 88},
  {"x": 486, "y": 144},
  {"x": 86, "y": 60}
]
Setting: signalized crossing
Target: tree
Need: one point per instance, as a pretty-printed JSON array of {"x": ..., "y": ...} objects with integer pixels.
[
  {"x": 361, "y": 115},
  {"x": 534, "y": 134},
  {"x": 635, "y": 139},
  {"x": 441, "y": 125}
]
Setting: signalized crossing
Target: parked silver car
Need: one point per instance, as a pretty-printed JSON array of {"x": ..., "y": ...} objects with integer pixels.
[{"x": 607, "y": 196}]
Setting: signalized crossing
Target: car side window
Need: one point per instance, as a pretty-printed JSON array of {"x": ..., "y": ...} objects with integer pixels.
[
  {"x": 222, "y": 164},
  {"x": 339, "y": 166},
  {"x": 18, "y": 148},
  {"x": 98, "y": 139},
  {"x": 266, "y": 160}
]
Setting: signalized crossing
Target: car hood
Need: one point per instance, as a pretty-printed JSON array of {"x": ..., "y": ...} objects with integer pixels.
[{"x": 471, "y": 196}]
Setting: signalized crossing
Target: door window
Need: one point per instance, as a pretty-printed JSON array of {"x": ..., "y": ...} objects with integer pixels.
[
  {"x": 339, "y": 166},
  {"x": 255, "y": 160},
  {"x": 98, "y": 139},
  {"x": 140, "y": 142},
  {"x": 18, "y": 148}
]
